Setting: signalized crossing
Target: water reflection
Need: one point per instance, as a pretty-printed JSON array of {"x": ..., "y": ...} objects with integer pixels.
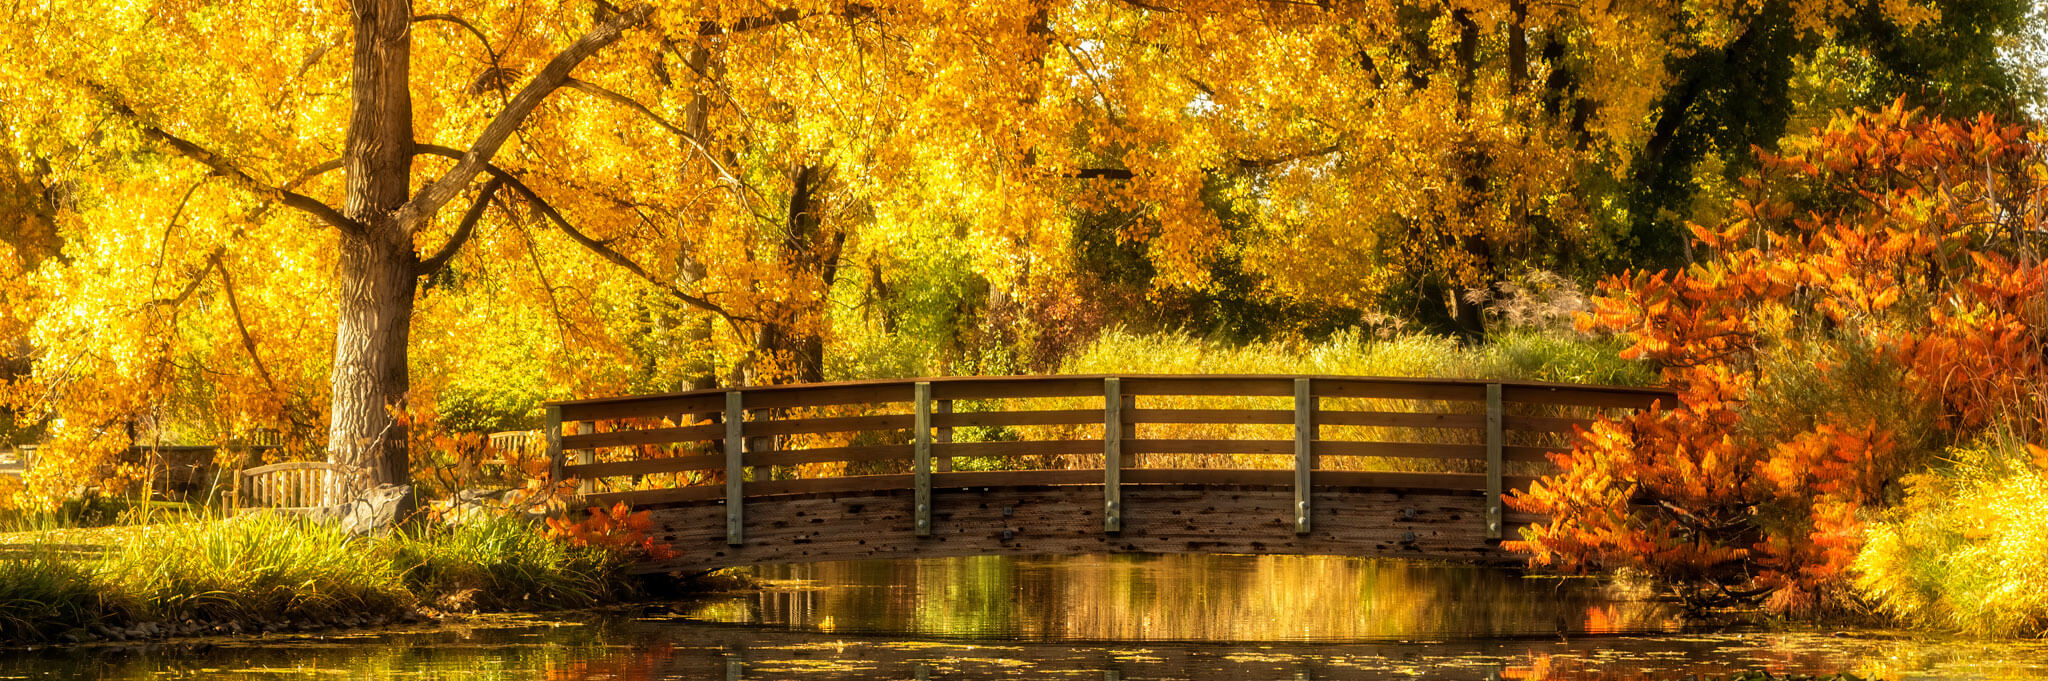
[
  {"x": 643, "y": 649},
  {"x": 1214, "y": 618},
  {"x": 1179, "y": 598}
]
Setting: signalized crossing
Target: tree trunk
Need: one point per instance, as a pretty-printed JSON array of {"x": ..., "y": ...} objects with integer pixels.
[
  {"x": 376, "y": 273},
  {"x": 377, "y": 283}
]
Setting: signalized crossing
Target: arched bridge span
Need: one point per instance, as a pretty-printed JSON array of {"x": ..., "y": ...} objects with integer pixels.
[{"x": 1336, "y": 465}]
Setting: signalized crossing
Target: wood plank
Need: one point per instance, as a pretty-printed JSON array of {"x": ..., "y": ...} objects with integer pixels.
[
  {"x": 1589, "y": 396},
  {"x": 1400, "y": 480},
  {"x": 833, "y": 424},
  {"x": 680, "y": 464},
  {"x": 1231, "y": 386},
  {"x": 1496, "y": 438},
  {"x": 641, "y": 406},
  {"x": 1217, "y": 416},
  {"x": 651, "y": 497},
  {"x": 1399, "y": 389},
  {"x": 1546, "y": 424},
  {"x": 1209, "y": 476},
  {"x": 1114, "y": 408},
  {"x": 1402, "y": 450},
  {"x": 824, "y": 394},
  {"x": 1009, "y": 387},
  {"x": 1042, "y": 417},
  {"x": 1304, "y": 451},
  {"x": 1038, "y": 478},
  {"x": 735, "y": 417},
  {"x": 1159, "y": 446},
  {"x": 921, "y": 460},
  {"x": 648, "y": 436},
  {"x": 1400, "y": 419},
  {"x": 852, "y": 483},
  {"x": 958, "y": 450},
  {"x": 829, "y": 455}
]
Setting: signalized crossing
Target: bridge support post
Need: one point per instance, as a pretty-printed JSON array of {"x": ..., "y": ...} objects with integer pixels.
[
  {"x": 921, "y": 459},
  {"x": 584, "y": 456},
  {"x": 735, "y": 466},
  {"x": 1493, "y": 461},
  {"x": 553, "y": 433},
  {"x": 943, "y": 436},
  {"x": 1304, "y": 451},
  {"x": 1112, "y": 455}
]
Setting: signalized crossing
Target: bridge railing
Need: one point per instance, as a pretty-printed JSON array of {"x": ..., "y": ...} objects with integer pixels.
[{"x": 728, "y": 445}]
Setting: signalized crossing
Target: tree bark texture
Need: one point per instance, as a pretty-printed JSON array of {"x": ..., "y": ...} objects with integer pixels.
[{"x": 375, "y": 274}]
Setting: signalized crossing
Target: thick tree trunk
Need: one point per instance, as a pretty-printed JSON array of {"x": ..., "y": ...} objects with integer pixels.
[
  {"x": 377, "y": 284},
  {"x": 376, "y": 273}
]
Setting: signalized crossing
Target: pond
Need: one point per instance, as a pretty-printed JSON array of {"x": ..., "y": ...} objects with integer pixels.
[{"x": 1235, "y": 618}]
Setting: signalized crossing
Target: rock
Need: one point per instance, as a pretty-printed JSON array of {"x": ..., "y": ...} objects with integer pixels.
[{"x": 373, "y": 512}]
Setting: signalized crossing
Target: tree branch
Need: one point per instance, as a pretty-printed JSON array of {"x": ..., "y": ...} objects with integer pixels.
[
  {"x": 741, "y": 188},
  {"x": 440, "y": 258},
  {"x": 220, "y": 165},
  {"x": 593, "y": 245},
  {"x": 1239, "y": 163},
  {"x": 514, "y": 115}
]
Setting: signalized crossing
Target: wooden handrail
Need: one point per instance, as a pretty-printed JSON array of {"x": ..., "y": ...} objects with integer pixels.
[{"x": 697, "y": 437}]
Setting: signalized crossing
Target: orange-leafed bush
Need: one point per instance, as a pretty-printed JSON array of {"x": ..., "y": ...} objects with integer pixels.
[
  {"x": 1876, "y": 298},
  {"x": 619, "y": 530}
]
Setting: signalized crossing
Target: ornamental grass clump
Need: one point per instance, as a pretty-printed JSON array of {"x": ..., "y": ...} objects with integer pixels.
[
  {"x": 505, "y": 564},
  {"x": 256, "y": 567},
  {"x": 44, "y": 593},
  {"x": 1968, "y": 549}
]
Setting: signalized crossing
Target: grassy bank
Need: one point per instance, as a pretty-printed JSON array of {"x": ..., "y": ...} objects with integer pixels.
[{"x": 264, "y": 572}]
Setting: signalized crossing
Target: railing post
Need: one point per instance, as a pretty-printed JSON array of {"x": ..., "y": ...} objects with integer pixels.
[
  {"x": 584, "y": 456},
  {"x": 921, "y": 459},
  {"x": 1493, "y": 461},
  {"x": 554, "y": 436},
  {"x": 1304, "y": 454},
  {"x": 735, "y": 465},
  {"x": 1112, "y": 455},
  {"x": 945, "y": 435}
]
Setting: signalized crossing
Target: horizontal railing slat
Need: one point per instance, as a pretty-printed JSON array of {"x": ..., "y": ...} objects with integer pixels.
[
  {"x": 1212, "y": 416},
  {"x": 835, "y": 424},
  {"x": 648, "y": 436},
  {"x": 1016, "y": 448},
  {"x": 1008, "y": 387},
  {"x": 1398, "y": 419},
  {"x": 829, "y": 455},
  {"x": 1471, "y": 482},
  {"x": 1229, "y": 386},
  {"x": 1044, "y": 417},
  {"x": 645, "y": 406},
  {"x": 677, "y": 464},
  {"x": 1155, "y": 446}
]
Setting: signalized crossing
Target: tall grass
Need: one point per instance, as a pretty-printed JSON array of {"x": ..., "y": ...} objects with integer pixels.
[
  {"x": 503, "y": 563},
  {"x": 257, "y": 566},
  {"x": 1968, "y": 550},
  {"x": 44, "y": 593},
  {"x": 266, "y": 568}
]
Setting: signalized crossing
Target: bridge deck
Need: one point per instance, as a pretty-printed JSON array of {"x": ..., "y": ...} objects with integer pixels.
[{"x": 1374, "y": 466}]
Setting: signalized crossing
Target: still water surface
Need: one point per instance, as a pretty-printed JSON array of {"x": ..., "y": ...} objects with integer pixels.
[{"x": 1235, "y": 618}]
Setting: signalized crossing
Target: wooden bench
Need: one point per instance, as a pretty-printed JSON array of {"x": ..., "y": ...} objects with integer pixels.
[{"x": 294, "y": 485}]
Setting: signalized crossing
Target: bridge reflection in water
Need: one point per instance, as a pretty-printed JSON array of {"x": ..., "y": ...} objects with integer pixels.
[
  {"x": 1311, "y": 465},
  {"x": 1189, "y": 598}
]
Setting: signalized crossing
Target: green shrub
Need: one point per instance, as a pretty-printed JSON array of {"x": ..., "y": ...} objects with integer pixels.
[
  {"x": 1968, "y": 549},
  {"x": 258, "y": 566},
  {"x": 504, "y": 563}
]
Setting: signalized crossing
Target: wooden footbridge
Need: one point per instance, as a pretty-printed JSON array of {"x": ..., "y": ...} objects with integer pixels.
[{"x": 1076, "y": 464}]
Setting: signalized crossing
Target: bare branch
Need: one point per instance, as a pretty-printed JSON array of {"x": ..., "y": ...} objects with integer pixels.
[
  {"x": 514, "y": 115},
  {"x": 576, "y": 235},
  {"x": 220, "y": 165},
  {"x": 440, "y": 258}
]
